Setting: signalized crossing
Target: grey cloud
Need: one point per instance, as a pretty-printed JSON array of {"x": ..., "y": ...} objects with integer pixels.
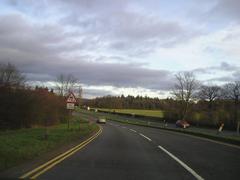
[
  {"x": 136, "y": 26},
  {"x": 217, "y": 12},
  {"x": 111, "y": 59},
  {"x": 22, "y": 38},
  {"x": 224, "y": 66},
  {"x": 118, "y": 75},
  {"x": 224, "y": 79},
  {"x": 90, "y": 93},
  {"x": 129, "y": 31},
  {"x": 115, "y": 25},
  {"x": 212, "y": 15},
  {"x": 34, "y": 77},
  {"x": 30, "y": 48},
  {"x": 17, "y": 33},
  {"x": 228, "y": 67},
  {"x": 227, "y": 9},
  {"x": 92, "y": 5},
  {"x": 236, "y": 75},
  {"x": 233, "y": 70}
]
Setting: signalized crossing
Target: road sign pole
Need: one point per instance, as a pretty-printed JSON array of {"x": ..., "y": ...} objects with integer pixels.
[
  {"x": 71, "y": 100},
  {"x": 68, "y": 120},
  {"x": 70, "y": 116}
]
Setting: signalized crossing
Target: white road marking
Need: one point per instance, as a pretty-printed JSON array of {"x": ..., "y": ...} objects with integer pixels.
[
  {"x": 132, "y": 130},
  {"x": 145, "y": 136},
  {"x": 124, "y": 127},
  {"x": 198, "y": 177}
]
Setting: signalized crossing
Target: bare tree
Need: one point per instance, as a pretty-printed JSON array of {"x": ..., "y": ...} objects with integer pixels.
[
  {"x": 10, "y": 76},
  {"x": 65, "y": 83},
  {"x": 232, "y": 91},
  {"x": 184, "y": 91},
  {"x": 209, "y": 93}
]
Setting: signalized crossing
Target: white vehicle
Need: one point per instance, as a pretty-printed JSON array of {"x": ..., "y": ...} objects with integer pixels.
[{"x": 101, "y": 120}]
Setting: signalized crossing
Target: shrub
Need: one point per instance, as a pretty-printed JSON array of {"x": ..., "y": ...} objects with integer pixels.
[{"x": 23, "y": 108}]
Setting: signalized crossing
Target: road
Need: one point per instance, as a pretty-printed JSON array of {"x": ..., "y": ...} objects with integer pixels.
[{"x": 132, "y": 152}]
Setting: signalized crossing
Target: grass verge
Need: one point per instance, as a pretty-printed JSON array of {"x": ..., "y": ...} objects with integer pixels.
[
  {"x": 141, "y": 112},
  {"x": 18, "y": 146}
]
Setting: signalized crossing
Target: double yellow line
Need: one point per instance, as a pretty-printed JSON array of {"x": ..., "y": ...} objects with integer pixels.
[{"x": 48, "y": 165}]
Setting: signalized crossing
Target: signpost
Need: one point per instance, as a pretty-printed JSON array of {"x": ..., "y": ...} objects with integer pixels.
[
  {"x": 71, "y": 100},
  {"x": 70, "y": 105}
]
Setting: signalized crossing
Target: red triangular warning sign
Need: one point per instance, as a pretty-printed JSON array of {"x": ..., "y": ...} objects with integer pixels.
[{"x": 71, "y": 98}]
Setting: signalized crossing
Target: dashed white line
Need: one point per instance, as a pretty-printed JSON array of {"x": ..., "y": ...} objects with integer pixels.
[
  {"x": 198, "y": 177},
  {"x": 132, "y": 130},
  {"x": 123, "y": 127},
  {"x": 145, "y": 136}
]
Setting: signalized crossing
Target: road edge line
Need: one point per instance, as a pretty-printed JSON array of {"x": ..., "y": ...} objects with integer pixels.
[
  {"x": 29, "y": 173},
  {"x": 63, "y": 158}
]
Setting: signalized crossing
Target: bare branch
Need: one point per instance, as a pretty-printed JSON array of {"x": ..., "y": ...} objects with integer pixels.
[
  {"x": 10, "y": 76},
  {"x": 209, "y": 93},
  {"x": 184, "y": 90},
  {"x": 65, "y": 83}
]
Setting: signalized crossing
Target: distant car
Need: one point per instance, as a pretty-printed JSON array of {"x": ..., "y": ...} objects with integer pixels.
[
  {"x": 182, "y": 124},
  {"x": 101, "y": 120}
]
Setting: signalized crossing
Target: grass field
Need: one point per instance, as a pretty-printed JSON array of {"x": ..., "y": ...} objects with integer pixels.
[
  {"x": 152, "y": 113},
  {"x": 17, "y": 146}
]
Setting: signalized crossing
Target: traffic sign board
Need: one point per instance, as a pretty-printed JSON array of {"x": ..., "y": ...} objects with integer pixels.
[
  {"x": 71, "y": 98},
  {"x": 70, "y": 105}
]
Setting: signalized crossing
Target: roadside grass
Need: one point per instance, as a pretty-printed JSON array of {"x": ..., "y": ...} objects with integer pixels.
[
  {"x": 18, "y": 146},
  {"x": 142, "y": 112}
]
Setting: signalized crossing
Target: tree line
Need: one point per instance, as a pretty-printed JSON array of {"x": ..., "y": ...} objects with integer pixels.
[
  {"x": 23, "y": 106},
  {"x": 207, "y": 105},
  {"x": 125, "y": 102}
]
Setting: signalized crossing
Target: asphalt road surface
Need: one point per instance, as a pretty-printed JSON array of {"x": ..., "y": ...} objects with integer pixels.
[{"x": 132, "y": 152}]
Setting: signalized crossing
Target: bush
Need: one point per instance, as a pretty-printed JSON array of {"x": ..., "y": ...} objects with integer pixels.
[
  {"x": 24, "y": 108},
  {"x": 171, "y": 116}
]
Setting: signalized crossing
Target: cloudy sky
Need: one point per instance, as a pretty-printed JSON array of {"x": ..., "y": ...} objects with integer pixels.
[{"x": 122, "y": 46}]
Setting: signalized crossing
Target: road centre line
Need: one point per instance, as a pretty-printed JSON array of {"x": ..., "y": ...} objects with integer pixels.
[
  {"x": 145, "y": 136},
  {"x": 203, "y": 139},
  {"x": 198, "y": 177},
  {"x": 132, "y": 130}
]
